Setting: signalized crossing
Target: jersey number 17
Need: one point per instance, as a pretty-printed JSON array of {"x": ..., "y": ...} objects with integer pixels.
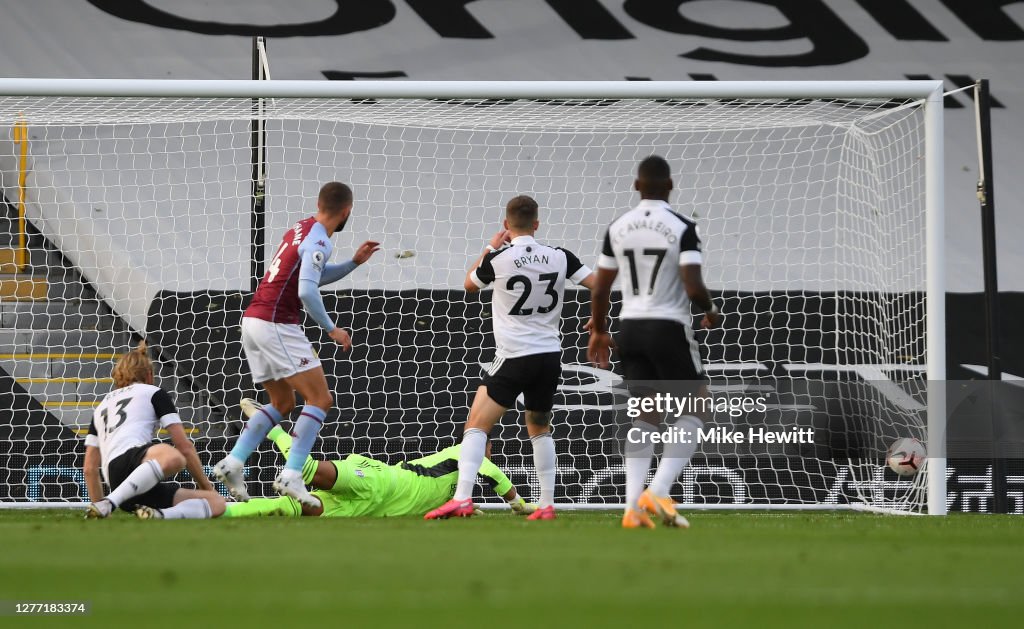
[{"x": 659, "y": 257}]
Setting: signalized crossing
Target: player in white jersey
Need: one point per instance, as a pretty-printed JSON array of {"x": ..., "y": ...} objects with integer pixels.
[
  {"x": 529, "y": 281},
  {"x": 657, "y": 254},
  {"x": 120, "y": 440}
]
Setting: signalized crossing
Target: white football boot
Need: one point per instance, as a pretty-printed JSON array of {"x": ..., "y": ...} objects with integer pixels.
[
  {"x": 229, "y": 471},
  {"x": 249, "y": 406},
  {"x": 289, "y": 483}
]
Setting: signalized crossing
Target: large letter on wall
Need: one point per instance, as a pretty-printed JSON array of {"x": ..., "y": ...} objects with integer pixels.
[
  {"x": 349, "y": 17},
  {"x": 832, "y": 41}
]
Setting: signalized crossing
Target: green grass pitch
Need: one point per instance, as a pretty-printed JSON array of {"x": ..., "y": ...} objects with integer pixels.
[{"x": 728, "y": 570}]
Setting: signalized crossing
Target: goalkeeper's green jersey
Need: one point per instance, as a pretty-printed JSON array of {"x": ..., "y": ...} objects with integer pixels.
[{"x": 366, "y": 487}]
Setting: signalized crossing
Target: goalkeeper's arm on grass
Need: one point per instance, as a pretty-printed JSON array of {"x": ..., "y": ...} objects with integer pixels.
[
  {"x": 501, "y": 485},
  {"x": 493, "y": 477}
]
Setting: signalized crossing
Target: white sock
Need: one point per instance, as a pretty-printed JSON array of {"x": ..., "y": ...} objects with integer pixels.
[
  {"x": 191, "y": 509},
  {"x": 471, "y": 455},
  {"x": 544, "y": 462},
  {"x": 675, "y": 456},
  {"x": 638, "y": 463},
  {"x": 142, "y": 479}
]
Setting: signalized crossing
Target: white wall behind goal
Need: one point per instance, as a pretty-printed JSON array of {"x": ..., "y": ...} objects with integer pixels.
[
  {"x": 141, "y": 209},
  {"x": 529, "y": 40}
]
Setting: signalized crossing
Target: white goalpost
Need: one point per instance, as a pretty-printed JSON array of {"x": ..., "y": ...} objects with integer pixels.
[{"x": 820, "y": 206}]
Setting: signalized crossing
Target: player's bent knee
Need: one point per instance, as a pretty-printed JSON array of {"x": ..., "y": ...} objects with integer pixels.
[
  {"x": 217, "y": 504},
  {"x": 177, "y": 462},
  {"x": 213, "y": 499},
  {"x": 170, "y": 460},
  {"x": 177, "y": 459}
]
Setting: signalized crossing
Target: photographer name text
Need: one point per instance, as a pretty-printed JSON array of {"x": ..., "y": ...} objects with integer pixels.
[{"x": 721, "y": 435}]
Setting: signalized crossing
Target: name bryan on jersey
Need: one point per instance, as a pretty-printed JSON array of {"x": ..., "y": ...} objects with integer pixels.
[{"x": 536, "y": 258}]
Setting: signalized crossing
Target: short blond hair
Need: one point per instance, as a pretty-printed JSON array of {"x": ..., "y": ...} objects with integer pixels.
[{"x": 135, "y": 366}]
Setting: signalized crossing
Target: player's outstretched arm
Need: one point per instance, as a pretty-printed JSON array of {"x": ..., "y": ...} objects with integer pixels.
[
  {"x": 194, "y": 466},
  {"x": 334, "y": 272},
  {"x": 492, "y": 475},
  {"x": 500, "y": 483},
  {"x": 310, "y": 271}
]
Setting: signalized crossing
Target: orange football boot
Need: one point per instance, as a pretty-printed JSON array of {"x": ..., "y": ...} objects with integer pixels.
[
  {"x": 663, "y": 508},
  {"x": 633, "y": 519}
]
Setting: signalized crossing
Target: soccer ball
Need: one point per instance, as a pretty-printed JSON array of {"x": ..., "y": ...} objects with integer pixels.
[{"x": 906, "y": 456}]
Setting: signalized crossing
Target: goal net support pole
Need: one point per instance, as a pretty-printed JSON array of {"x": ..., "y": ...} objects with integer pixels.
[
  {"x": 935, "y": 242},
  {"x": 260, "y": 72}
]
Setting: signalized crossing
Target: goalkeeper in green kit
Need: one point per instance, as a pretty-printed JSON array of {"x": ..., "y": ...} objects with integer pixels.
[{"x": 358, "y": 486}]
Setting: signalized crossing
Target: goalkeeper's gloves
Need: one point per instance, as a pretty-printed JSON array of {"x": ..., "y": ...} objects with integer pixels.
[{"x": 521, "y": 507}]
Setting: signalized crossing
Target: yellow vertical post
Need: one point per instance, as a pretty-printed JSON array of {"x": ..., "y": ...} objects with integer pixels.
[{"x": 20, "y": 136}]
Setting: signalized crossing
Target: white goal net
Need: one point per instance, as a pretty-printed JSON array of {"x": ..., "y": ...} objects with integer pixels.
[{"x": 138, "y": 221}]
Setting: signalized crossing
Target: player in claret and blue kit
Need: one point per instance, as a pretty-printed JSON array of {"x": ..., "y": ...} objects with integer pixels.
[{"x": 280, "y": 356}]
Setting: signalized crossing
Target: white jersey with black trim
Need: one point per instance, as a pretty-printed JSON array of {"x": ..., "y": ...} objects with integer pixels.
[
  {"x": 529, "y": 283},
  {"x": 129, "y": 417},
  {"x": 647, "y": 245}
]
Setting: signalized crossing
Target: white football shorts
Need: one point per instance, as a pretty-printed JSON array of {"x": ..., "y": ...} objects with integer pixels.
[{"x": 276, "y": 350}]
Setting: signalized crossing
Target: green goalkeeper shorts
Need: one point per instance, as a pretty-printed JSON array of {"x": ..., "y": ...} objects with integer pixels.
[{"x": 361, "y": 486}]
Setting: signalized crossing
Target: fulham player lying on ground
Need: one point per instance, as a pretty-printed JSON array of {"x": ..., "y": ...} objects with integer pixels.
[
  {"x": 358, "y": 486},
  {"x": 529, "y": 281},
  {"x": 658, "y": 252},
  {"x": 280, "y": 356},
  {"x": 120, "y": 440}
]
